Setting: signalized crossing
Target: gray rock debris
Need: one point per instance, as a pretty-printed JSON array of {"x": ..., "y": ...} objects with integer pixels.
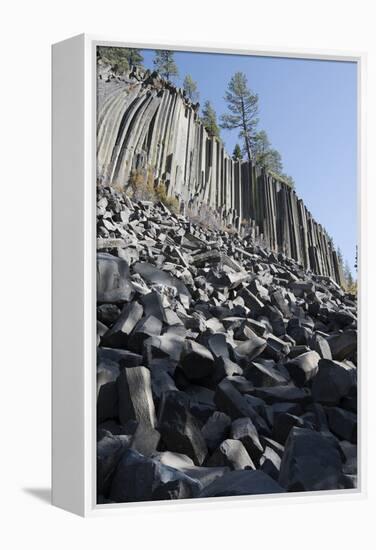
[{"x": 223, "y": 368}]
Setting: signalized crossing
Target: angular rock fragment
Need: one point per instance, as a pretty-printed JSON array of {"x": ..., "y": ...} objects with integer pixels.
[
  {"x": 152, "y": 305},
  {"x": 135, "y": 396},
  {"x": 299, "y": 332},
  {"x": 351, "y": 458},
  {"x": 283, "y": 424},
  {"x": 321, "y": 345},
  {"x": 107, "y": 402},
  {"x": 242, "y": 482},
  {"x": 225, "y": 368},
  {"x": 311, "y": 462},
  {"x": 264, "y": 373},
  {"x": 230, "y": 401},
  {"x": 244, "y": 430},
  {"x": 157, "y": 276},
  {"x": 201, "y": 402},
  {"x": 281, "y": 394},
  {"x": 110, "y": 361},
  {"x": 161, "y": 382},
  {"x": 216, "y": 429},
  {"x": 231, "y": 453},
  {"x": 117, "y": 335},
  {"x": 146, "y": 327},
  {"x": 343, "y": 345},
  {"x": 108, "y": 313},
  {"x": 138, "y": 478},
  {"x": 303, "y": 367},
  {"x": 197, "y": 361},
  {"x": 249, "y": 349},
  {"x": 270, "y": 463},
  {"x": 218, "y": 346},
  {"x": 113, "y": 279},
  {"x": 145, "y": 439},
  {"x": 109, "y": 451},
  {"x": 333, "y": 381},
  {"x": 255, "y": 305},
  {"x": 179, "y": 429},
  {"x": 342, "y": 423}
]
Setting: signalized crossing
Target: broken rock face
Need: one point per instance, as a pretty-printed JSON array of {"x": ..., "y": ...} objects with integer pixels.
[{"x": 223, "y": 369}]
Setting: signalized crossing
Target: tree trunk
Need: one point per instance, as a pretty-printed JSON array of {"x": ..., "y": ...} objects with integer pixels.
[{"x": 246, "y": 137}]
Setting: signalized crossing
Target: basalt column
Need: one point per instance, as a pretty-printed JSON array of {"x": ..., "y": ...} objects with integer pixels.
[{"x": 148, "y": 125}]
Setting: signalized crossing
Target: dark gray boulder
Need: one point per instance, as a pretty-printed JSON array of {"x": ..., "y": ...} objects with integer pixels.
[
  {"x": 270, "y": 463},
  {"x": 107, "y": 402},
  {"x": 138, "y": 478},
  {"x": 216, "y": 429},
  {"x": 333, "y": 381},
  {"x": 265, "y": 373},
  {"x": 350, "y": 453},
  {"x": 154, "y": 275},
  {"x": 145, "y": 439},
  {"x": 321, "y": 345},
  {"x": 283, "y": 394},
  {"x": 197, "y": 361},
  {"x": 244, "y": 430},
  {"x": 135, "y": 396},
  {"x": 242, "y": 482},
  {"x": 344, "y": 345},
  {"x": 224, "y": 367},
  {"x": 249, "y": 349},
  {"x": 146, "y": 327},
  {"x": 179, "y": 429},
  {"x": 283, "y": 424},
  {"x": 303, "y": 367},
  {"x": 109, "y": 451},
  {"x": 231, "y": 453},
  {"x": 108, "y": 313},
  {"x": 113, "y": 279},
  {"x": 230, "y": 401},
  {"x": 117, "y": 335},
  {"x": 342, "y": 423},
  {"x": 311, "y": 462}
]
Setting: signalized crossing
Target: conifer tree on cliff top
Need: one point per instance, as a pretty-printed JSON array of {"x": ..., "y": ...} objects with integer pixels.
[
  {"x": 242, "y": 104},
  {"x": 190, "y": 88},
  {"x": 264, "y": 156},
  {"x": 120, "y": 59},
  {"x": 237, "y": 153},
  {"x": 165, "y": 64},
  {"x": 134, "y": 57},
  {"x": 209, "y": 119}
]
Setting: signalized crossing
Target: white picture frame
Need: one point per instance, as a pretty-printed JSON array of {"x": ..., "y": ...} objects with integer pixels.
[{"x": 74, "y": 287}]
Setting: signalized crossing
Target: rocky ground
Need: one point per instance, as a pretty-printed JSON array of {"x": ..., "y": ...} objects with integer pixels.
[{"x": 223, "y": 369}]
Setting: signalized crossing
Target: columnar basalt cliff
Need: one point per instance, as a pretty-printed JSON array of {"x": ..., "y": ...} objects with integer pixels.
[{"x": 145, "y": 123}]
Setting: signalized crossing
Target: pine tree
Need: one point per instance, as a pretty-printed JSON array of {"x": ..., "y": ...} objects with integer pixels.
[
  {"x": 120, "y": 59},
  {"x": 243, "y": 106},
  {"x": 289, "y": 180},
  {"x": 165, "y": 64},
  {"x": 340, "y": 258},
  {"x": 190, "y": 88},
  {"x": 134, "y": 57},
  {"x": 266, "y": 157},
  {"x": 237, "y": 154},
  {"x": 209, "y": 119},
  {"x": 348, "y": 277}
]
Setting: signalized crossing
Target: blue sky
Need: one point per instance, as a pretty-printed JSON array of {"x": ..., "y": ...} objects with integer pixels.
[{"x": 309, "y": 110}]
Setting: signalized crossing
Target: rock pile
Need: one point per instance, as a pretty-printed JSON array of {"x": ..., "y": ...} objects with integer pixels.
[{"x": 222, "y": 368}]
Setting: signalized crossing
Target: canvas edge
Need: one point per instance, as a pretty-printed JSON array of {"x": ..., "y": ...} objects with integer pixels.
[{"x": 68, "y": 161}]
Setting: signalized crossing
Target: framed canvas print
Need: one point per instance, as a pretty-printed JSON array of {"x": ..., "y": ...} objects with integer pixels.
[{"x": 205, "y": 275}]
